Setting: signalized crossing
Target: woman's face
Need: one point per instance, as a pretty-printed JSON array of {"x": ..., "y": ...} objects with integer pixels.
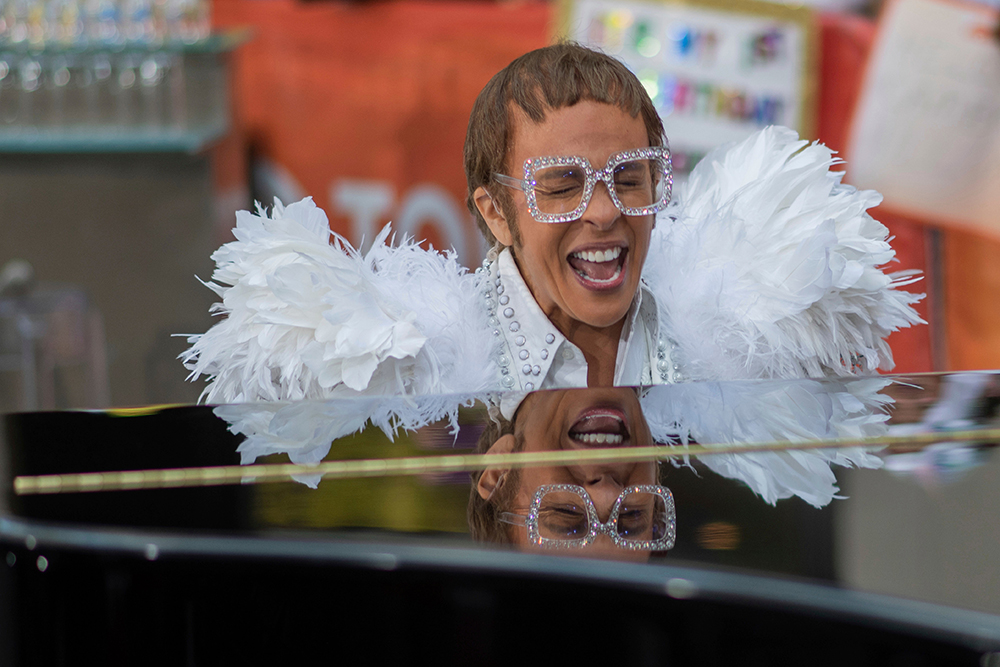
[
  {"x": 580, "y": 419},
  {"x": 558, "y": 261}
]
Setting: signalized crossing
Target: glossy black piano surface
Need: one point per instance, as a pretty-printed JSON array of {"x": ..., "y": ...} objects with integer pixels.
[{"x": 136, "y": 537}]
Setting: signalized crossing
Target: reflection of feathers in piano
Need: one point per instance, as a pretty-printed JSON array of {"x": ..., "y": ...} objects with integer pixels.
[
  {"x": 756, "y": 412},
  {"x": 304, "y": 430}
]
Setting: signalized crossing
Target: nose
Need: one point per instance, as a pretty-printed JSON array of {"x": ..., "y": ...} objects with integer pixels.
[
  {"x": 601, "y": 210},
  {"x": 604, "y": 484}
]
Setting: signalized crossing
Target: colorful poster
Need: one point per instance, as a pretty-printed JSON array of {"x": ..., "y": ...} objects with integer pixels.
[{"x": 715, "y": 72}]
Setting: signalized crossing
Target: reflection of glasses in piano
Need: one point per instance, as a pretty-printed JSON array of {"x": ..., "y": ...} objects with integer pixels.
[{"x": 564, "y": 515}]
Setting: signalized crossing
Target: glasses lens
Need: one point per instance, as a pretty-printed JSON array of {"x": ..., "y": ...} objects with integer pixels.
[
  {"x": 559, "y": 188},
  {"x": 640, "y": 183},
  {"x": 562, "y": 515},
  {"x": 642, "y": 517}
]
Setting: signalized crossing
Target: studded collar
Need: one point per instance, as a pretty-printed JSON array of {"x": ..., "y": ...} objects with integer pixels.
[{"x": 534, "y": 354}]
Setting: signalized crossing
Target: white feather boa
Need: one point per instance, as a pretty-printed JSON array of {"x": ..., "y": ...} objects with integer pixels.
[
  {"x": 765, "y": 266},
  {"x": 771, "y": 267},
  {"x": 309, "y": 319}
]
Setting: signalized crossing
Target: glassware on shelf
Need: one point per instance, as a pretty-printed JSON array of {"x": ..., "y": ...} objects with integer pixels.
[
  {"x": 112, "y": 75},
  {"x": 101, "y": 22},
  {"x": 62, "y": 24}
]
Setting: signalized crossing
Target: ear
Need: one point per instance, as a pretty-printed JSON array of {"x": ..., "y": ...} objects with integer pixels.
[
  {"x": 489, "y": 481},
  {"x": 493, "y": 216}
]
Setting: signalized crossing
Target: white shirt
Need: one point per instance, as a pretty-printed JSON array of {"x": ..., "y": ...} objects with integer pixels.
[{"x": 536, "y": 355}]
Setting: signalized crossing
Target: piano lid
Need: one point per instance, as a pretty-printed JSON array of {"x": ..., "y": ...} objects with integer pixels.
[{"x": 884, "y": 484}]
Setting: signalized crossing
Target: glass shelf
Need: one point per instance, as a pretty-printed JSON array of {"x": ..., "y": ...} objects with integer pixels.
[
  {"x": 140, "y": 98},
  {"x": 108, "y": 140},
  {"x": 217, "y": 43}
]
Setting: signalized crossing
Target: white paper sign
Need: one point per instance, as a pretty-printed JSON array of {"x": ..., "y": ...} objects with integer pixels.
[{"x": 927, "y": 127}]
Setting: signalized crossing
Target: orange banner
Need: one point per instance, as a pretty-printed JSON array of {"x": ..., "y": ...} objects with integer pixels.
[{"x": 364, "y": 106}]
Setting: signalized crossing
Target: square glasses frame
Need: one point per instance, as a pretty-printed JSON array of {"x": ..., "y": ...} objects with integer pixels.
[
  {"x": 594, "y": 523},
  {"x": 607, "y": 174}
]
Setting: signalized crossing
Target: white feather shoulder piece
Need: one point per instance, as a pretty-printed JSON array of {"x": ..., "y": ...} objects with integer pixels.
[
  {"x": 767, "y": 266},
  {"x": 307, "y": 316}
]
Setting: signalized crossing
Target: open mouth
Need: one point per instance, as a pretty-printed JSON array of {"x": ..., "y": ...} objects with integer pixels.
[
  {"x": 600, "y": 269},
  {"x": 600, "y": 427}
]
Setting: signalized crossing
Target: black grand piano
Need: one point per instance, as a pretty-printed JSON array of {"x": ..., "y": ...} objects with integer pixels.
[{"x": 708, "y": 524}]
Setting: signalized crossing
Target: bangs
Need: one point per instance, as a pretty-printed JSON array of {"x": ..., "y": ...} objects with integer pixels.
[
  {"x": 566, "y": 84},
  {"x": 566, "y": 74}
]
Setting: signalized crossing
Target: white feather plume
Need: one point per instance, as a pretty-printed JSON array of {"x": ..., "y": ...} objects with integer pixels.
[
  {"x": 771, "y": 268},
  {"x": 309, "y": 319}
]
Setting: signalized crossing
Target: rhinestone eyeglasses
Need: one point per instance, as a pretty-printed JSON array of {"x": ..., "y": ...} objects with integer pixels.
[
  {"x": 558, "y": 189},
  {"x": 564, "y": 515}
]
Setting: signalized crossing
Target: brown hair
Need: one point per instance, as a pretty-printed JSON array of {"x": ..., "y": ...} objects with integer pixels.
[
  {"x": 545, "y": 79},
  {"x": 483, "y": 514}
]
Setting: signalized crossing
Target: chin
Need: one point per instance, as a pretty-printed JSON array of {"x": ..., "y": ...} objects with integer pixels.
[
  {"x": 601, "y": 316},
  {"x": 604, "y": 305}
]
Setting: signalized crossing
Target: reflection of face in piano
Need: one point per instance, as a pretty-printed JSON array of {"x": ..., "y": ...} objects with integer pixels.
[{"x": 571, "y": 420}]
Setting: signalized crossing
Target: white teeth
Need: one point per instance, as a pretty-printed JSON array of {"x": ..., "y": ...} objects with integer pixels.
[
  {"x": 599, "y": 438},
  {"x": 598, "y": 255},
  {"x": 618, "y": 272}
]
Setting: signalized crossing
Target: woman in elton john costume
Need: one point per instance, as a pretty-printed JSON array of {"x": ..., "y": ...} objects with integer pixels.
[{"x": 764, "y": 266}]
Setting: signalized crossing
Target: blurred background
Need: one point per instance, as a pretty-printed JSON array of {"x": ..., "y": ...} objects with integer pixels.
[{"x": 132, "y": 130}]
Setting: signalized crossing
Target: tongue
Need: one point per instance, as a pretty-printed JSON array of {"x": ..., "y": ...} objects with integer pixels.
[
  {"x": 595, "y": 270},
  {"x": 598, "y": 424}
]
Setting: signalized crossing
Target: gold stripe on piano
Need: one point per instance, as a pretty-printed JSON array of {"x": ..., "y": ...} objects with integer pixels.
[{"x": 126, "y": 480}]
